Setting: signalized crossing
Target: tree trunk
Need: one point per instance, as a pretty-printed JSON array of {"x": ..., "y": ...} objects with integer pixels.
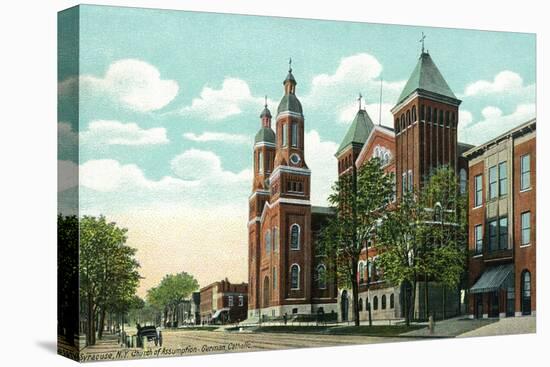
[
  {"x": 413, "y": 300},
  {"x": 355, "y": 292},
  {"x": 101, "y": 323},
  {"x": 90, "y": 322}
]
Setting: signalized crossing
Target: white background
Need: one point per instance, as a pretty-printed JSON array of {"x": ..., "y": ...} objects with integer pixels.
[{"x": 28, "y": 181}]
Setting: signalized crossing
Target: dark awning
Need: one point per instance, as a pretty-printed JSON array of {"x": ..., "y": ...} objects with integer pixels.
[{"x": 493, "y": 279}]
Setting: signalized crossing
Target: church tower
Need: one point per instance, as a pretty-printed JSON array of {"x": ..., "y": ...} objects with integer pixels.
[
  {"x": 264, "y": 155},
  {"x": 425, "y": 124}
]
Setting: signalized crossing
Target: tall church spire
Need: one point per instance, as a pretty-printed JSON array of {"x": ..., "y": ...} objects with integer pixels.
[{"x": 290, "y": 82}]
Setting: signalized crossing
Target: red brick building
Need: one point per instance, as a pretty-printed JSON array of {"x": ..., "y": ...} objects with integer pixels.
[
  {"x": 286, "y": 273},
  {"x": 223, "y": 302},
  {"x": 502, "y": 216}
]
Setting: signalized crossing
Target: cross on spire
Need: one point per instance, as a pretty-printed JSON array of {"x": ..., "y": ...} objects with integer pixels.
[
  {"x": 359, "y": 100},
  {"x": 290, "y": 64},
  {"x": 421, "y": 40},
  {"x": 265, "y": 105}
]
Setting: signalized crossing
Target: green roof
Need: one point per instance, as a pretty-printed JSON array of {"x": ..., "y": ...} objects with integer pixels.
[
  {"x": 290, "y": 102},
  {"x": 358, "y": 132},
  {"x": 427, "y": 77},
  {"x": 266, "y": 135}
]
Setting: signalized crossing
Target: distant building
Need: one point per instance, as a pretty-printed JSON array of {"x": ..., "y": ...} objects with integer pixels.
[
  {"x": 502, "y": 214},
  {"x": 223, "y": 302}
]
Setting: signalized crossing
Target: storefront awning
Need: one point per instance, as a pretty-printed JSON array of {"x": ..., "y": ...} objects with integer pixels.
[{"x": 493, "y": 279}]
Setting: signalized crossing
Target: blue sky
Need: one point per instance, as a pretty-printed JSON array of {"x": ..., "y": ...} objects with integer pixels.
[{"x": 169, "y": 105}]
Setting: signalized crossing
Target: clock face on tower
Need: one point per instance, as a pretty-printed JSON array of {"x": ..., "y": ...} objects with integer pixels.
[{"x": 294, "y": 158}]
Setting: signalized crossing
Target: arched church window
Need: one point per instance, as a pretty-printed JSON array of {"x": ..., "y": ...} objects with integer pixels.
[
  {"x": 435, "y": 116},
  {"x": 463, "y": 180},
  {"x": 260, "y": 161},
  {"x": 408, "y": 117},
  {"x": 295, "y": 237},
  {"x": 276, "y": 239},
  {"x": 294, "y": 276},
  {"x": 422, "y": 112},
  {"x": 268, "y": 242},
  {"x": 429, "y": 114},
  {"x": 375, "y": 303},
  {"x": 392, "y": 301},
  {"x": 383, "y": 301},
  {"x": 322, "y": 276},
  {"x": 414, "y": 113},
  {"x": 441, "y": 117},
  {"x": 361, "y": 272},
  {"x": 285, "y": 135},
  {"x": 294, "y": 134}
]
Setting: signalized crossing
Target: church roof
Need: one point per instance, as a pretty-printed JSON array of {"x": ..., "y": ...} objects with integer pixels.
[
  {"x": 266, "y": 112},
  {"x": 358, "y": 132},
  {"x": 265, "y": 135},
  {"x": 426, "y": 77},
  {"x": 290, "y": 102}
]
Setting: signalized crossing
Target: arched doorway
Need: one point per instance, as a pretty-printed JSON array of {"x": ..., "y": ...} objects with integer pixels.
[
  {"x": 525, "y": 292},
  {"x": 266, "y": 292},
  {"x": 345, "y": 305}
]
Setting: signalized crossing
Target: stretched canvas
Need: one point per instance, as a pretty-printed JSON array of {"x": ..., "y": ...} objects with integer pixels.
[{"x": 233, "y": 183}]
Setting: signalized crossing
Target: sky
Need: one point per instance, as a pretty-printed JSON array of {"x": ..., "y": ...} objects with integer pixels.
[{"x": 169, "y": 103}]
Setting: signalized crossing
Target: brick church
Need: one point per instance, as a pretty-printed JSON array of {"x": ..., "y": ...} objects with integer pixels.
[{"x": 286, "y": 269}]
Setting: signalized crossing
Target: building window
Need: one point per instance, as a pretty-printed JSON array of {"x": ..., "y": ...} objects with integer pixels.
[
  {"x": 478, "y": 183},
  {"x": 525, "y": 172},
  {"x": 295, "y": 277},
  {"x": 414, "y": 113},
  {"x": 435, "y": 116},
  {"x": 230, "y": 301},
  {"x": 383, "y": 301},
  {"x": 447, "y": 114},
  {"x": 295, "y": 237},
  {"x": 322, "y": 276},
  {"x": 493, "y": 235},
  {"x": 422, "y": 112},
  {"x": 503, "y": 233},
  {"x": 429, "y": 115},
  {"x": 369, "y": 269},
  {"x": 526, "y": 292},
  {"x": 463, "y": 180},
  {"x": 502, "y": 178},
  {"x": 361, "y": 272},
  {"x": 403, "y": 183},
  {"x": 294, "y": 134},
  {"x": 394, "y": 186},
  {"x": 525, "y": 228},
  {"x": 268, "y": 242},
  {"x": 392, "y": 301},
  {"x": 441, "y": 118},
  {"x": 274, "y": 278},
  {"x": 241, "y": 301},
  {"x": 478, "y": 237},
  {"x": 275, "y": 239},
  {"x": 410, "y": 179},
  {"x": 493, "y": 182},
  {"x": 375, "y": 303},
  {"x": 260, "y": 162},
  {"x": 285, "y": 135}
]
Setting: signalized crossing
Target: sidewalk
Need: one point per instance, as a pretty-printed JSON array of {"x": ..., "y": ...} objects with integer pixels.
[
  {"x": 506, "y": 326},
  {"x": 451, "y": 328}
]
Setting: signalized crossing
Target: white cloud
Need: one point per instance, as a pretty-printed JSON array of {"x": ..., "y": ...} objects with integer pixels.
[
  {"x": 337, "y": 92},
  {"x": 505, "y": 81},
  {"x": 319, "y": 155},
  {"x": 195, "y": 164},
  {"x": 111, "y": 132},
  {"x": 209, "y": 136},
  {"x": 493, "y": 123},
  {"x": 218, "y": 104},
  {"x": 108, "y": 175},
  {"x": 132, "y": 83}
]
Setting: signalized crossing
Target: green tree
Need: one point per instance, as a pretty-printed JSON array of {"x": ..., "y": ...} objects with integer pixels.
[
  {"x": 172, "y": 290},
  {"x": 424, "y": 237},
  {"x": 67, "y": 279},
  {"x": 359, "y": 200},
  {"x": 108, "y": 270}
]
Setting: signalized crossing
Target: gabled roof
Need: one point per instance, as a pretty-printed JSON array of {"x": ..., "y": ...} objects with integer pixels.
[
  {"x": 426, "y": 77},
  {"x": 358, "y": 132}
]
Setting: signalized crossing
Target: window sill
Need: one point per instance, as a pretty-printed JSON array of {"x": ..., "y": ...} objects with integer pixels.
[
  {"x": 526, "y": 245},
  {"x": 477, "y": 207},
  {"x": 525, "y": 190},
  {"x": 477, "y": 256}
]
